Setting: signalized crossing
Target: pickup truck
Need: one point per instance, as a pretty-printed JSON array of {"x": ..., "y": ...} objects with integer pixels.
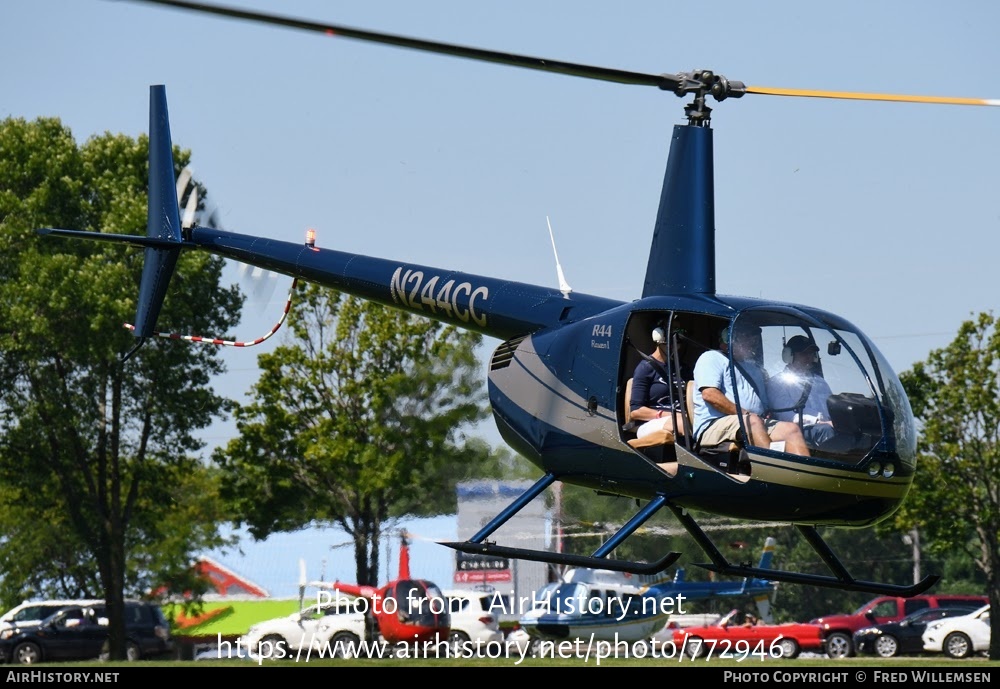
[{"x": 838, "y": 630}]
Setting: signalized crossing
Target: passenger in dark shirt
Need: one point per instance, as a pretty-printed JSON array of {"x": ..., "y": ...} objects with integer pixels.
[{"x": 653, "y": 402}]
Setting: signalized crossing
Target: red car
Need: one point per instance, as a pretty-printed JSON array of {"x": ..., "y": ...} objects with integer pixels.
[{"x": 730, "y": 637}]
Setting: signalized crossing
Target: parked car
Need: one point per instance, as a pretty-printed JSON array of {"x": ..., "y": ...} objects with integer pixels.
[
  {"x": 959, "y": 637},
  {"x": 904, "y": 637},
  {"x": 729, "y": 636},
  {"x": 343, "y": 619},
  {"x": 81, "y": 632},
  {"x": 33, "y": 612},
  {"x": 838, "y": 630},
  {"x": 475, "y": 616}
]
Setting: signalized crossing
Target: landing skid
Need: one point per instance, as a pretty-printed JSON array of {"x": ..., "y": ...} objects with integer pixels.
[
  {"x": 842, "y": 579},
  {"x": 849, "y": 584}
]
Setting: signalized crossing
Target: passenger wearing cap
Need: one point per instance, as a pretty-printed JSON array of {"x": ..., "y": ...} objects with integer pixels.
[
  {"x": 652, "y": 399},
  {"x": 716, "y": 417},
  {"x": 799, "y": 392}
]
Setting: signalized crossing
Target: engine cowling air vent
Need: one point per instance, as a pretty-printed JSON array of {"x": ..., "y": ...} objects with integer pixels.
[{"x": 503, "y": 354}]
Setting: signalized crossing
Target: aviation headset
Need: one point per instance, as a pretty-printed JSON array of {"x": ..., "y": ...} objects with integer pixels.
[
  {"x": 788, "y": 354},
  {"x": 659, "y": 336}
]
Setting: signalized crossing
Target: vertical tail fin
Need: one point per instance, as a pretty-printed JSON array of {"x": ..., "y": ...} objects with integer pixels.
[
  {"x": 767, "y": 556},
  {"x": 162, "y": 220},
  {"x": 302, "y": 583},
  {"x": 404, "y": 557},
  {"x": 764, "y": 600}
]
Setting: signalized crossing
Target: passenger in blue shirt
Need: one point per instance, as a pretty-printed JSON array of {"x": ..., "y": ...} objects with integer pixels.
[{"x": 715, "y": 413}]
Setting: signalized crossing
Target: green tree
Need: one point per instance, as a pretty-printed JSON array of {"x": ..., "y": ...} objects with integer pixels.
[
  {"x": 955, "y": 499},
  {"x": 97, "y": 457},
  {"x": 357, "y": 420}
]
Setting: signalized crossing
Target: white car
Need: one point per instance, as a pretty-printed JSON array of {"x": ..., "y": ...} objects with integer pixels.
[
  {"x": 310, "y": 629},
  {"x": 31, "y": 613},
  {"x": 475, "y": 616},
  {"x": 959, "y": 637}
]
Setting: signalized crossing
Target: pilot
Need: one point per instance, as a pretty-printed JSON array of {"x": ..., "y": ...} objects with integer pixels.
[
  {"x": 799, "y": 392},
  {"x": 652, "y": 401},
  {"x": 715, "y": 414}
]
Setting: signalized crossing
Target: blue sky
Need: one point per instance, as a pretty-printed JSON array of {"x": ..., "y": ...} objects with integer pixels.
[{"x": 883, "y": 213}]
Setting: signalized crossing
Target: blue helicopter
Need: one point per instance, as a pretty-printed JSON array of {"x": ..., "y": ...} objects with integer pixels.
[
  {"x": 606, "y": 605},
  {"x": 557, "y": 381}
]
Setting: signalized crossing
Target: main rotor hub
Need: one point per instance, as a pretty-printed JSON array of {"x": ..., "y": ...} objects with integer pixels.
[{"x": 701, "y": 83}]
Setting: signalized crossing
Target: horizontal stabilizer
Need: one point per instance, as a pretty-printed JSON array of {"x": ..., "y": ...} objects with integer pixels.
[
  {"x": 565, "y": 559},
  {"x": 134, "y": 240}
]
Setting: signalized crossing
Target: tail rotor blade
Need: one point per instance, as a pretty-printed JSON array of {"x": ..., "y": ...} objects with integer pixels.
[
  {"x": 190, "y": 209},
  {"x": 182, "y": 181},
  {"x": 260, "y": 284}
]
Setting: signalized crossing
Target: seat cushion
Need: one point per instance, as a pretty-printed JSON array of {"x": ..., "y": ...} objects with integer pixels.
[{"x": 660, "y": 437}]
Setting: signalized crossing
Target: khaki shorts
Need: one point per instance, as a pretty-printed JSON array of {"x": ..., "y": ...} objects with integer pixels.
[{"x": 726, "y": 429}]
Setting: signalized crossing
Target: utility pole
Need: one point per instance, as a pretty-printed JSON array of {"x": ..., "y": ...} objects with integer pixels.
[{"x": 912, "y": 538}]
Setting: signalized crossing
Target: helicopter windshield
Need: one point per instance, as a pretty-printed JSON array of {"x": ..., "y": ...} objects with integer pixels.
[
  {"x": 419, "y": 603},
  {"x": 826, "y": 377}
]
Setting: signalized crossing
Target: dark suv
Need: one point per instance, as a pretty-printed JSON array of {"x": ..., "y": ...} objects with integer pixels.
[{"x": 81, "y": 633}]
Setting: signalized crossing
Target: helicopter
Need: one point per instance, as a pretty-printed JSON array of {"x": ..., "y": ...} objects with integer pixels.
[
  {"x": 557, "y": 381},
  {"x": 405, "y": 610},
  {"x": 606, "y": 605}
]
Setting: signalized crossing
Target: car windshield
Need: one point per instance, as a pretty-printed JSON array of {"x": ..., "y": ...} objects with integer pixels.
[
  {"x": 921, "y": 616},
  {"x": 37, "y": 612}
]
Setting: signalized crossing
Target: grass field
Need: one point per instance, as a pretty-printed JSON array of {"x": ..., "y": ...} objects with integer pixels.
[{"x": 935, "y": 663}]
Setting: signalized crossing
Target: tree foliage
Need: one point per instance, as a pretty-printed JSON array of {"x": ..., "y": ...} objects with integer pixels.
[
  {"x": 100, "y": 489},
  {"x": 357, "y": 419},
  {"x": 955, "y": 500}
]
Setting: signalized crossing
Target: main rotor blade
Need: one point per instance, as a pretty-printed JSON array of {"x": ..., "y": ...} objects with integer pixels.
[
  {"x": 667, "y": 82},
  {"x": 678, "y": 83},
  {"x": 850, "y": 95}
]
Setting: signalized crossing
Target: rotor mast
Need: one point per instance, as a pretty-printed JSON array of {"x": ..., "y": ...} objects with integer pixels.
[{"x": 682, "y": 251}]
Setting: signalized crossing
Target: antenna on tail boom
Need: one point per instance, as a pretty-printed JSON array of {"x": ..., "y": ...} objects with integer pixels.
[{"x": 563, "y": 285}]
